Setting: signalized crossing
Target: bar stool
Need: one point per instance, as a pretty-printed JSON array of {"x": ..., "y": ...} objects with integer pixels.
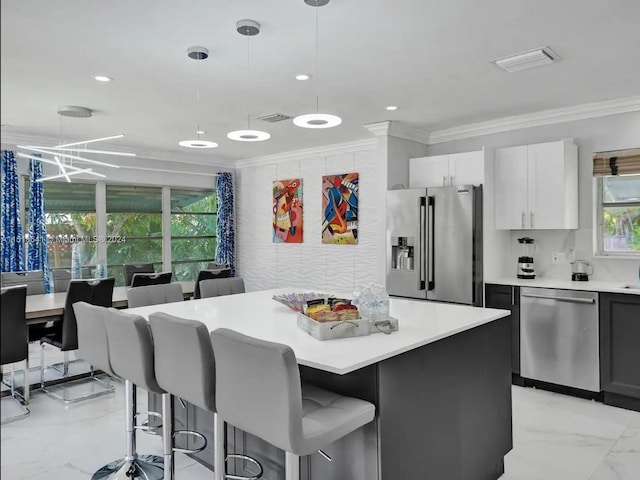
[
  {"x": 154, "y": 295},
  {"x": 217, "y": 287},
  {"x": 14, "y": 347},
  {"x": 131, "y": 353},
  {"x": 182, "y": 346},
  {"x": 95, "y": 292},
  {"x": 273, "y": 405}
]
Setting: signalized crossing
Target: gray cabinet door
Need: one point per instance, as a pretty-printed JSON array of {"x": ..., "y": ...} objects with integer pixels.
[
  {"x": 620, "y": 344},
  {"x": 507, "y": 297}
]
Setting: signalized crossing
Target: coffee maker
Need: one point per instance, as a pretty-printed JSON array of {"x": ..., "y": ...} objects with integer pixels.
[
  {"x": 526, "y": 270},
  {"x": 580, "y": 270}
]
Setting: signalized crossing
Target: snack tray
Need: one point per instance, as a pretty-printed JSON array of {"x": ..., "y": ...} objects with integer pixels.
[{"x": 333, "y": 330}]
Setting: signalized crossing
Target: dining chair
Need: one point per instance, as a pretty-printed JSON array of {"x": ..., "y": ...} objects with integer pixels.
[
  {"x": 207, "y": 274},
  {"x": 131, "y": 268},
  {"x": 62, "y": 277},
  {"x": 14, "y": 348},
  {"x": 217, "y": 287},
  {"x": 217, "y": 266},
  {"x": 154, "y": 295},
  {"x": 274, "y": 405},
  {"x": 33, "y": 279},
  {"x": 65, "y": 336},
  {"x": 146, "y": 279}
]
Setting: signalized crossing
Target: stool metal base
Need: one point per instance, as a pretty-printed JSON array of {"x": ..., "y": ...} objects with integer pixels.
[{"x": 147, "y": 467}]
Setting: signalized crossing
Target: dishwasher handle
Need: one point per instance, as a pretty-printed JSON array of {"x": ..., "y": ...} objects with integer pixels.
[{"x": 561, "y": 299}]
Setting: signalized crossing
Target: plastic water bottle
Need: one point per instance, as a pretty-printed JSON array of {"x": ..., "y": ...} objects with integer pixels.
[
  {"x": 76, "y": 262},
  {"x": 100, "y": 271}
]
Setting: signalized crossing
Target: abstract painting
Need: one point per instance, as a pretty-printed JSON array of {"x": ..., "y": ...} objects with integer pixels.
[
  {"x": 340, "y": 209},
  {"x": 287, "y": 211}
]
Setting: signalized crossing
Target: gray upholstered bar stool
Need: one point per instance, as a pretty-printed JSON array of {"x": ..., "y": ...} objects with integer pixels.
[
  {"x": 14, "y": 348},
  {"x": 185, "y": 368},
  {"x": 131, "y": 354},
  {"x": 270, "y": 402},
  {"x": 154, "y": 295},
  {"x": 216, "y": 287}
]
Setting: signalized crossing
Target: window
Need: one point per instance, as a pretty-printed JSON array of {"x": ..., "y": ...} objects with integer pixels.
[
  {"x": 70, "y": 215},
  {"x": 618, "y": 215},
  {"x": 193, "y": 232},
  {"x": 134, "y": 227}
]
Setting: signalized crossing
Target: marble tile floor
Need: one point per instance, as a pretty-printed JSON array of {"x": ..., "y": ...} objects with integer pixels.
[{"x": 556, "y": 437}]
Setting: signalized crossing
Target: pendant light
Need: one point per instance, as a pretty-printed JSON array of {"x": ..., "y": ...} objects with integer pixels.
[
  {"x": 317, "y": 120},
  {"x": 65, "y": 154},
  {"x": 199, "y": 54},
  {"x": 248, "y": 28}
]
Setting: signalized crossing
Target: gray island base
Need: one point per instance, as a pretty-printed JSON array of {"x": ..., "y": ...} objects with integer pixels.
[{"x": 443, "y": 412}]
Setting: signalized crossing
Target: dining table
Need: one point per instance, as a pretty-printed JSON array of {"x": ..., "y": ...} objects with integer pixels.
[{"x": 48, "y": 307}]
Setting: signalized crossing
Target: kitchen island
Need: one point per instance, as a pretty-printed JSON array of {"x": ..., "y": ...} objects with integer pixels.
[{"x": 441, "y": 386}]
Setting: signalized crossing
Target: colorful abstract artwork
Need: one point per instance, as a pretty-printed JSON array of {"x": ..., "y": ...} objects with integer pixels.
[
  {"x": 340, "y": 209},
  {"x": 287, "y": 211}
]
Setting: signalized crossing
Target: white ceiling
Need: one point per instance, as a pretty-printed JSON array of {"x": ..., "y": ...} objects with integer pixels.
[{"x": 429, "y": 57}]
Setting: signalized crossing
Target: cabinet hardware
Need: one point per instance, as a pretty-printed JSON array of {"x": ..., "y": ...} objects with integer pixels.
[
  {"x": 444, "y": 180},
  {"x": 523, "y": 216},
  {"x": 531, "y": 219},
  {"x": 450, "y": 180},
  {"x": 560, "y": 299},
  {"x": 512, "y": 297}
]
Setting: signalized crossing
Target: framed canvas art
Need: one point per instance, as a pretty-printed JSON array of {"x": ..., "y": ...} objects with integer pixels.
[
  {"x": 287, "y": 211},
  {"x": 340, "y": 209}
]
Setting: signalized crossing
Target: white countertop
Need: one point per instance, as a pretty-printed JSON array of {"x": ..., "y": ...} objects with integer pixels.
[
  {"x": 258, "y": 315},
  {"x": 589, "y": 286}
]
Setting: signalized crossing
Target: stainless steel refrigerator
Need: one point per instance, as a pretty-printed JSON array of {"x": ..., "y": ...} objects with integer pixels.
[{"x": 434, "y": 244}]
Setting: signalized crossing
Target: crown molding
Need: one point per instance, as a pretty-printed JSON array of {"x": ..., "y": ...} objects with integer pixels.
[
  {"x": 399, "y": 130},
  {"x": 348, "y": 147},
  {"x": 544, "y": 117},
  {"x": 11, "y": 138}
]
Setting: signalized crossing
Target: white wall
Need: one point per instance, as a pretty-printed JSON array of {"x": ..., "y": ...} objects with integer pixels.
[
  {"x": 311, "y": 264},
  {"x": 593, "y": 135}
]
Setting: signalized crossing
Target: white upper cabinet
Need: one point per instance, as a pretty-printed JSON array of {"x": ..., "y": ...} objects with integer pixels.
[
  {"x": 444, "y": 170},
  {"x": 536, "y": 187}
]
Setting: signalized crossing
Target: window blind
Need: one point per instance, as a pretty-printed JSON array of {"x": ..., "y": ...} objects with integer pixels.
[{"x": 617, "y": 162}]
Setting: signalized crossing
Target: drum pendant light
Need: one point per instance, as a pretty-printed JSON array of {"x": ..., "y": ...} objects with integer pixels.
[
  {"x": 248, "y": 28},
  {"x": 317, "y": 120},
  {"x": 199, "y": 54}
]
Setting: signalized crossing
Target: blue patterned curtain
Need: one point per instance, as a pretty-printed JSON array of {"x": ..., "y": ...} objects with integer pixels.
[
  {"x": 37, "y": 258},
  {"x": 225, "y": 229},
  {"x": 12, "y": 241}
]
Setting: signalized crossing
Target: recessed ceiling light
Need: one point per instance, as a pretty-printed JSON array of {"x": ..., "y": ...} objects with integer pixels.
[
  {"x": 197, "y": 144},
  {"x": 528, "y": 59},
  {"x": 248, "y": 136},
  {"x": 317, "y": 120},
  {"x": 303, "y": 76},
  {"x": 391, "y": 107},
  {"x": 102, "y": 78}
]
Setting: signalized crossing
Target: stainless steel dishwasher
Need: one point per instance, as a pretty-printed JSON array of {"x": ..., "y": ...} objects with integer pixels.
[{"x": 559, "y": 337}]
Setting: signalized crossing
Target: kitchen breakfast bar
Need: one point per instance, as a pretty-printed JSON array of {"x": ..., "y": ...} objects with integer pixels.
[{"x": 441, "y": 386}]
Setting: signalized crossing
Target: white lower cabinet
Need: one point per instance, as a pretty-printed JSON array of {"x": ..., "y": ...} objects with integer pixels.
[{"x": 536, "y": 186}]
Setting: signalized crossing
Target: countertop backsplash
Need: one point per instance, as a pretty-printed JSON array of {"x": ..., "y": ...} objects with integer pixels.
[{"x": 565, "y": 241}]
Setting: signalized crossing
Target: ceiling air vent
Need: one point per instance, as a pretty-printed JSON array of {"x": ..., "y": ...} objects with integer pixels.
[
  {"x": 528, "y": 59},
  {"x": 273, "y": 117}
]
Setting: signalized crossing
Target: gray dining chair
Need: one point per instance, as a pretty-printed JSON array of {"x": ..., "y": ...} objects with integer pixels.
[
  {"x": 207, "y": 274},
  {"x": 274, "y": 406},
  {"x": 14, "y": 348},
  {"x": 61, "y": 278},
  {"x": 154, "y": 295},
  {"x": 33, "y": 279},
  {"x": 216, "y": 287}
]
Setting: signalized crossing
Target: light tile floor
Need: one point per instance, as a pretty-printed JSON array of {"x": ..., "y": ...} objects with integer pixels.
[{"x": 556, "y": 437}]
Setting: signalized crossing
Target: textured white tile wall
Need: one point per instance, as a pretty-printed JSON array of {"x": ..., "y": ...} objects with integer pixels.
[{"x": 311, "y": 264}]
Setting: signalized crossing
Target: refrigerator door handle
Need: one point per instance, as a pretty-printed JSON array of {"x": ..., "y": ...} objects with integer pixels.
[
  {"x": 432, "y": 252},
  {"x": 422, "y": 266}
]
